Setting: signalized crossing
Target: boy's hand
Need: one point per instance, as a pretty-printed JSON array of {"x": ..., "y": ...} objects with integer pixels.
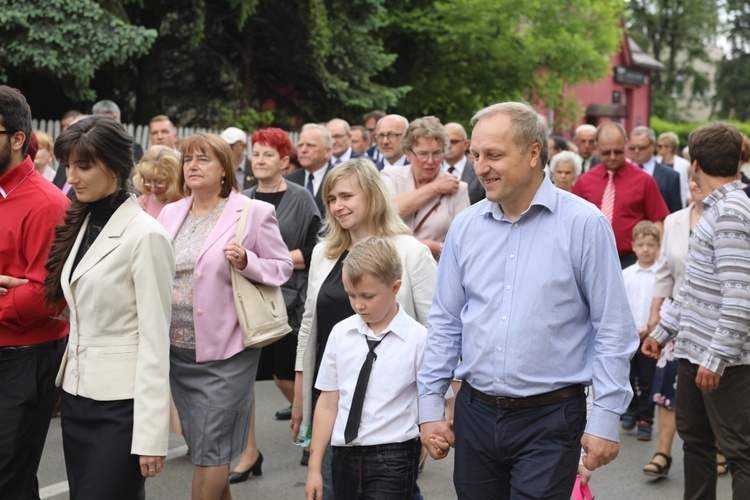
[{"x": 314, "y": 486}]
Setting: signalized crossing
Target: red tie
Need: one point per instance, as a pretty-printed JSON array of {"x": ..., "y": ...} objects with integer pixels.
[{"x": 608, "y": 200}]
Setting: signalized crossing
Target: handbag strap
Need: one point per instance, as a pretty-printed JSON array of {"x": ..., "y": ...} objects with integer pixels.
[
  {"x": 243, "y": 221},
  {"x": 434, "y": 207}
]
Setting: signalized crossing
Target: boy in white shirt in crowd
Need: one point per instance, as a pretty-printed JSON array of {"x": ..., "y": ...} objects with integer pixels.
[
  {"x": 639, "y": 286},
  {"x": 371, "y": 421}
]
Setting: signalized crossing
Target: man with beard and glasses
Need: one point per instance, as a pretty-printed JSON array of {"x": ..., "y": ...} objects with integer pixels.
[{"x": 31, "y": 337}]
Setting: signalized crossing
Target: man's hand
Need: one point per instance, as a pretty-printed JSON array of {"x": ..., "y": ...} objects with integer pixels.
[
  {"x": 643, "y": 333},
  {"x": 706, "y": 380},
  {"x": 7, "y": 282},
  {"x": 435, "y": 436},
  {"x": 446, "y": 184},
  {"x": 651, "y": 348},
  {"x": 599, "y": 451}
]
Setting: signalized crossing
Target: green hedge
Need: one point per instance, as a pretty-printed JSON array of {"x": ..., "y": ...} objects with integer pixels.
[{"x": 683, "y": 129}]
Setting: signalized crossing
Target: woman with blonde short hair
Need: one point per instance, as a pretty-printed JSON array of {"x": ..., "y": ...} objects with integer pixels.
[{"x": 157, "y": 176}]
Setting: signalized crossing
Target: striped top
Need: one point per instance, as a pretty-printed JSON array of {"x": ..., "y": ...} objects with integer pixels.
[{"x": 711, "y": 315}]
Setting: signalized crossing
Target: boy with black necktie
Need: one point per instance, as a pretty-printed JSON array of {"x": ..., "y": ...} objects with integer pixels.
[{"x": 368, "y": 378}]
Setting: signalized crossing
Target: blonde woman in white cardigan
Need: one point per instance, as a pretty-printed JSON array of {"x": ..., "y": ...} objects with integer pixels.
[{"x": 357, "y": 205}]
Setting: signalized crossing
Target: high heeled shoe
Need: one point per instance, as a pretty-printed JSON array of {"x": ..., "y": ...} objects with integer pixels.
[{"x": 255, "y": 470}]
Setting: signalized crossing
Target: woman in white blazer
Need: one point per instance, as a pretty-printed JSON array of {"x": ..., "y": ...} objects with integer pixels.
[
  {"x": 357, "y": 206},
  {"x": 114, "y": 266}
]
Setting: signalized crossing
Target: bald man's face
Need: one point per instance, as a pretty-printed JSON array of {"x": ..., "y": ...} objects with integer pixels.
[
  {"x": 458, "y": 144},
  {"x": 389, "y": 135},
  {"x": 585, "y": 141}
]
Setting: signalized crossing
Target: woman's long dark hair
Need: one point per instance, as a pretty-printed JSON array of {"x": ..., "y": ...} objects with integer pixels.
[{"x": 96, "y": 139}]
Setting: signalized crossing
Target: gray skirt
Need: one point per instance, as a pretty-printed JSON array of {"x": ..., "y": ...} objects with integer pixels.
[{"x": 213, "y": 401}]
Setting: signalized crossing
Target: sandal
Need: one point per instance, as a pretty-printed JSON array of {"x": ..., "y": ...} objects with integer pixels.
[
  {"x": 655, "y": 469},
  {"x": 722, "y": 467}
]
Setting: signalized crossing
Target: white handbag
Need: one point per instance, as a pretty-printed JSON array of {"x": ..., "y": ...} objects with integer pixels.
[{"x": 260, "y": 308}]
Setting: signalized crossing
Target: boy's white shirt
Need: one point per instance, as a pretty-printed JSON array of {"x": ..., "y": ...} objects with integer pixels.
[
  {"x": 390, "y": 411},
  {"x": 639, "y": 287}
]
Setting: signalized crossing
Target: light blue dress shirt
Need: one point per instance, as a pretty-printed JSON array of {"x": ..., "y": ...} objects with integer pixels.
[{"x": 531, "y": 306}]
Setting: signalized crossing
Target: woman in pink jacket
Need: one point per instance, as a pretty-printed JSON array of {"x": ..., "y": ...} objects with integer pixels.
[{"x": 211, "y": 370}]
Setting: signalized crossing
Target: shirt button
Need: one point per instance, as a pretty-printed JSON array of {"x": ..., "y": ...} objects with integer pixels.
[
  {"x": 500, "y": 349},
  {"x": 507, "y": 287},
  {"x": 498, "y": 380},
  {"x": 512, "y": 256},
  {"x": 504, "y": 318},
  {"x": 515, "y": 225},
  {"x": 199, "y": 312}
]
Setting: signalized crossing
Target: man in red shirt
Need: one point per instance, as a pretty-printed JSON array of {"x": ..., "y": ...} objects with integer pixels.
[
  {"x": 633, "y": 195},
  {"x": 31, "y": 340}
]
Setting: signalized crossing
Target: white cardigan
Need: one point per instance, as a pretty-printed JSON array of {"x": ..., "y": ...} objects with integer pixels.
[{"x": 415, "y": 296}]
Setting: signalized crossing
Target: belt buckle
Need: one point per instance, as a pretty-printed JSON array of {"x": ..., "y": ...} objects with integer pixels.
[{"x": 499, "y": 400}]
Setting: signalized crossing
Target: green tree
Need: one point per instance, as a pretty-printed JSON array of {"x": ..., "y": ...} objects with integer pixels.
[
  {"x": 460, "y": 55},
  {"x": 732, "y": 98},
  {"x": 675, "y": 32},
  {"x": 66, "y": 42}
]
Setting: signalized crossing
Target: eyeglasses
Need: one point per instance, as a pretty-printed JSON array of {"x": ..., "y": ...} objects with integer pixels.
[
  {"x": 160, "y": 183},
  {"x": 638, "y": 149},
  {"x": 661, "y": 146},
  {"x": 424, "y": 155},
  {"x": 617, "y": 152},
  {"x": 8, "y": 132},
  {"x": 391, "y": 136}
]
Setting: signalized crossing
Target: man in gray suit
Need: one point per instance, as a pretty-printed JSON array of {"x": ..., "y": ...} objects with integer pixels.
[{"x": 456, "y": 163}]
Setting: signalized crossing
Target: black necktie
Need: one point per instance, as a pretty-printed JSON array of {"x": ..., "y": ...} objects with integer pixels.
[
  {"x": 355, "y": 413},
  {"x": 310, "y": 184},
  {"x": 451, "y": 169}
]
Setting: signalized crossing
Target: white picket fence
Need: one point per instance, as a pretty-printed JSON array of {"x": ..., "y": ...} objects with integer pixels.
[{"x": 139, "y": 132}]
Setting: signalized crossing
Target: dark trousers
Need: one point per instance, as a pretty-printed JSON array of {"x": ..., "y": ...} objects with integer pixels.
[
  {"x": 97, "y": 437},
  {"x": 381, "y": 472},
  {"x": 27, "y": 396},
  {"x": 721, "y": 416},
  {"x": 642, "y": 370},
  {"x": 529, "y": 453}
]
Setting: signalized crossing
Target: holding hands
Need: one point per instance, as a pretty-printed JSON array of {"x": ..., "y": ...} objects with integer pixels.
[{"x": 438, "y": 438}]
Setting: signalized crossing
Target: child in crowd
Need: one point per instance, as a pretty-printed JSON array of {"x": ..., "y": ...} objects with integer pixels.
[
  {"x": 639, "y": 286},
  {"x": 368, "y": 378}
]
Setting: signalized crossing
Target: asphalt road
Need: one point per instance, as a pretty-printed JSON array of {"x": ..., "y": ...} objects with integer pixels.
[{"x": 283, "y": 478}]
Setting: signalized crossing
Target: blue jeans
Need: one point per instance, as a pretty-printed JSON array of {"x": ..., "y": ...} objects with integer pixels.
[
  {"x": 380, "y": 472},
  {"x": 526, "y": 453}
]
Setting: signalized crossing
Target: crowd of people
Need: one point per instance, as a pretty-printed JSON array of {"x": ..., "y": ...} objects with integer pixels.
[{"x": 443, "y": 291}]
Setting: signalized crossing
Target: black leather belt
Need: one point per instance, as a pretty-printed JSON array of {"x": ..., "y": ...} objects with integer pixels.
[
  {"x": 546, "y": 399},
  {"x": 15, "y": 350}
]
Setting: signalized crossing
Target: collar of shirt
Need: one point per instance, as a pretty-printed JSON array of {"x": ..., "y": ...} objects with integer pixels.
[
  {"x": 649, "y": 166},
  {"x": 399, "y": 326},
  {"x": 649, "y": 269},
  {"x": 720, "y": 193},
  {"x": 346, "y": 156},
  {"x": 15, "y": 177},
  {"x": 545, "y": 197},
  {"x": 318, "y": 174},
  {"x": 242, "y": 166},
  {"x": 398, "y": 163},
  {"x": 459, "y": 166}
]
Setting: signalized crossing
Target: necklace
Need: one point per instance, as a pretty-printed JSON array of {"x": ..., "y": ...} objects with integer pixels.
[{"x": 197, "y": 221}]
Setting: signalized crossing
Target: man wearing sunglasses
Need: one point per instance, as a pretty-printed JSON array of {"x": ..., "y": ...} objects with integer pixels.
[
  {"x": 641, "y": 146},
  {"x": 622, "y": 191}
]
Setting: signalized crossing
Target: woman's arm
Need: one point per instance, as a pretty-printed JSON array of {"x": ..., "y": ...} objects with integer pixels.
[{"x": 268, "y": 259}]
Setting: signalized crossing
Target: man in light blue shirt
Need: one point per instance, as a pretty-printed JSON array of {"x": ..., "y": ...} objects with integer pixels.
[{"x": 530, "y": 297}]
